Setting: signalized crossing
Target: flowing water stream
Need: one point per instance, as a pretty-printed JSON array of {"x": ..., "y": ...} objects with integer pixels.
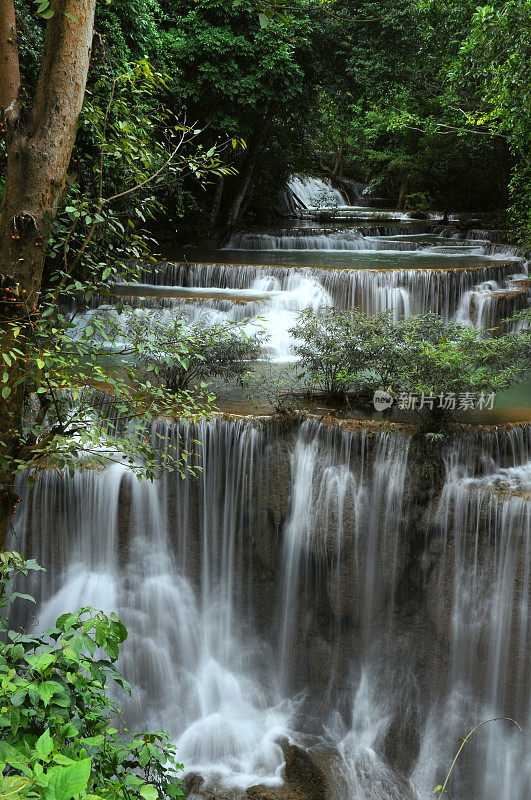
[{"x": 311, "y": 585}]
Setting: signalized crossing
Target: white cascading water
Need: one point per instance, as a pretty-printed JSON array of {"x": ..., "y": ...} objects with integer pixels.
[
  {"x": 272, "y": 297},
  {"x": 479, "y": 306},
  {"x": 167, "y": 557},
  {"x": 352, "y": 239},
  {"x": 176, "y": 559},
  {"x": 269, "y": 304},
  {"x": 306, "y": 192},
  {"x": 479, "y": 596}
]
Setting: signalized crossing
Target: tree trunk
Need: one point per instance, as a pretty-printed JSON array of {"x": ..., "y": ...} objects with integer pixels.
[
  {"x": 337, "y": 171},
  {"x": 402, "y": 195},
  {"x": 247, "y": 171},
  {"x": 39, "y": 143},
  {"x": 216, "y": 205}
]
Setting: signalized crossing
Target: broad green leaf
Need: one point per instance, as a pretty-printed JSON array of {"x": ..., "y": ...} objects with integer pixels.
[
  {"x": 65, "y": 782},
  {"x": 41, "y": 663},
  {"x": 48, "y": 689},
  {"x": 174, "y": 790},
  {"x": 148, "y": 792},
  {"x": 44, "y": 745}
]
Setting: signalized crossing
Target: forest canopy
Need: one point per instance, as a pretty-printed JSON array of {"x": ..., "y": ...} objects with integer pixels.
[{"x": 413, "y": 98}]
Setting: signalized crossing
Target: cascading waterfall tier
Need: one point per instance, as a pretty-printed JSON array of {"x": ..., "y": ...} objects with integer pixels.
[
  {"x": 470, "y": 295},
  {"x": 355, "y": 239},
  {"x": 303, "y": 586}
]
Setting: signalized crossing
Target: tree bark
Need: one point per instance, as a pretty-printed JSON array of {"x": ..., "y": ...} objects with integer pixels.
[
  {"x": 216, "y": 205},
  {"x": 39, "y": 140},
  {"x": 402, "y": 194},
  {"x": 247, "y": 171}
]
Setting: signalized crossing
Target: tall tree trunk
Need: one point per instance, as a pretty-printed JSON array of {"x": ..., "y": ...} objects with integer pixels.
[
  {"x": 246, "y": 172},
  {"x": 39, "y": 143},
  {"x": 216, "y": 205},
  {"x": 402, "y": 194},
  {"x": 337, "y": 171}
]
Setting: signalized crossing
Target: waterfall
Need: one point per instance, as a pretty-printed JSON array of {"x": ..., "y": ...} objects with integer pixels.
[
  {"x": 478, "y": 596},
  {"x": 489, "y": 301},
  {"x": 352, "y": 239},
  {"x": 304, "y": 192},
  {"x": 300, "y": 587},
  {"x": 276, "y": 294},
  {"x": 170, "y": 558}
]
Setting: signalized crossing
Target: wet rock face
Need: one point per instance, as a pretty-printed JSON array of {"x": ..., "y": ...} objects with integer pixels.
[
  {"x": 304, "y": 779},
  {"x": 303, "y": 774}
]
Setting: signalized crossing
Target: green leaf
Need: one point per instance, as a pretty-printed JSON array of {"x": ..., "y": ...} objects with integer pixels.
[
  {"x": 174, "y": 790},
  {"x": 22, "y": 596},
  {"x": 6, "y": 391},
  {"x": 41, "y": 663},
  {"x": 44, "y": 744},
  {"x": 18, "y": 698},
  {"x": 65, "y": 621},
  {"x": 148, "y": 792},
  {"x": 68, "y": 781},
  {"x": 15, "y": 720},
  {"x": 47, "y": 691}
]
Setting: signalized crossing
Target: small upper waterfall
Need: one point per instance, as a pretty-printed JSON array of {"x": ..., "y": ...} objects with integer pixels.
[{"x": 305, "y": 192}]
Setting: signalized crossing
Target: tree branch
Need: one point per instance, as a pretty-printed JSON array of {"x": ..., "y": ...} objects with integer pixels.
[{"x": 9, "y": 64}]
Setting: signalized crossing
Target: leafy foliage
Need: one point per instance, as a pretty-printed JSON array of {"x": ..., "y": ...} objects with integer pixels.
[
  {"x": 58, "y": 739},
  {"x": 182, "y": 354},
  {"x": 345, "y": 351}
]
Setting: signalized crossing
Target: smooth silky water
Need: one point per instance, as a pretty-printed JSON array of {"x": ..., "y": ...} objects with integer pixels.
[
  {"x": 182, "y": 562},
  {"x": 305, "y": 585}
]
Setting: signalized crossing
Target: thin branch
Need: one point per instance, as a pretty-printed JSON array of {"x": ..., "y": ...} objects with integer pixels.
[
  {"x": 149, "y": 179},
  {"x": 451, "y": 129}
]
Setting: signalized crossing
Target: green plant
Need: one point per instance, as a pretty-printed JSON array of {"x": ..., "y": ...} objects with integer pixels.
[
  {"x": 56, "y": 717},
  {"x": 346, "y": 352},
  {"x": 337, "y": 349},
  {"x": 441, "y": 788},
  {"x": 184, "y": 353},
  {"x": 63, "y": 372}
]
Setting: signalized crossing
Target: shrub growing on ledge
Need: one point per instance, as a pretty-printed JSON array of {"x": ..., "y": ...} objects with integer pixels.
[
  {"x": 348, "y": 353},
  {"x": 181, "y": 354}
]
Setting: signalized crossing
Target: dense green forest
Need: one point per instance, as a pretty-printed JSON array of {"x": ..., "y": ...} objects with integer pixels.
[{"x": 426, "y": 103}]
